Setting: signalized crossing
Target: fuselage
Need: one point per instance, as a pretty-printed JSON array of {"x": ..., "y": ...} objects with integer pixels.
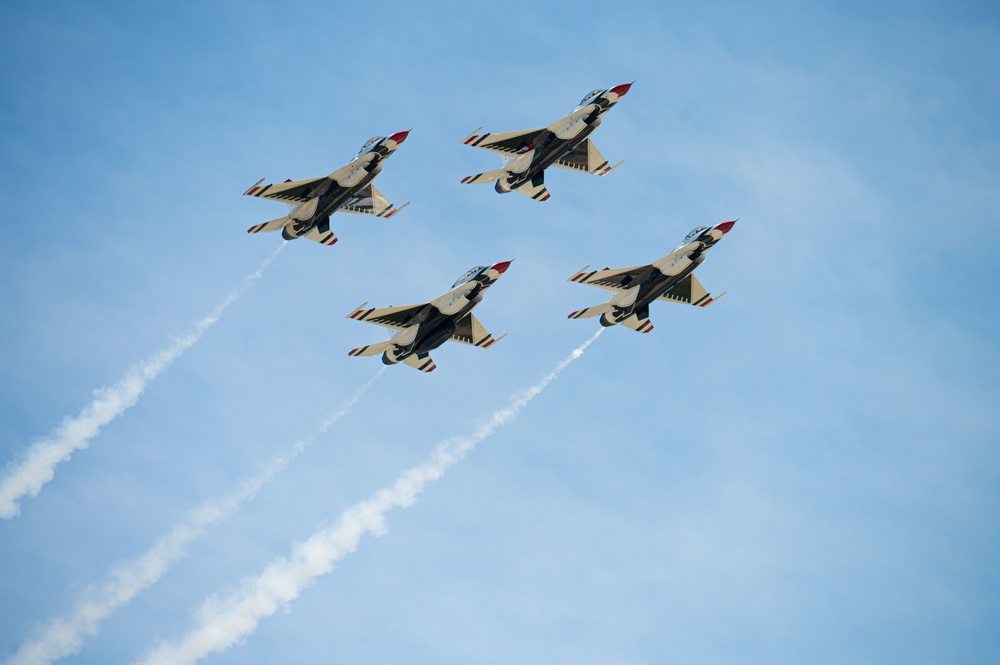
[
  {"x": 558, "y": 139},
  {"x": 663, "y": 275}
]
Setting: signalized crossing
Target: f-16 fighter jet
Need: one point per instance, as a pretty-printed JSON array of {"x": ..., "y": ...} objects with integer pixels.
[
  {"x": 670, "y": 278},
  {"x": 424, "y": 327},
  {"x": 564, "y": 143},
  {"x": 312, "y": 201}
]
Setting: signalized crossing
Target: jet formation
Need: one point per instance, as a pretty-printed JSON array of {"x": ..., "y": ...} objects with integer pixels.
[
  {"x": 419, "y": 329},
  {"x": 564, "y": 143},
  {"x": 348, "y": 188}
]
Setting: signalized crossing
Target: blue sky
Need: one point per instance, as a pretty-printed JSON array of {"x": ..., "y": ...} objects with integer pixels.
[{"x": 804, "y": 472}]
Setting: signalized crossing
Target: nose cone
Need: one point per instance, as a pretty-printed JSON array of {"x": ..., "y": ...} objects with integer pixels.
[
  {"x": 620, "y": 90},
  {"x": 399, "y": 137},
  {"x": 501, "y": 267},
  {"x": 725, "y": 226}
]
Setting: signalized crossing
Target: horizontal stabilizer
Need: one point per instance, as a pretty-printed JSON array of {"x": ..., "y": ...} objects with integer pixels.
[
  {"x": 273, "y": 225},
  {"x": 371, "y": 349},
  {"x": 322, "y": 234},
  {"x": 635, "y": 323},
  {"x": 484, "y": 178},
  {"x": 589, "y": 312},
  {"x": 533, "y": 191},
  {"x": 423, "y": 362}
]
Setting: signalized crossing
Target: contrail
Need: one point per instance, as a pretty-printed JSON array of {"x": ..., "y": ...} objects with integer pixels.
[
  {"x": 37, "y": 465},
  {"x": 65, "y": 636},
  {"x": 223, "y": 622}
]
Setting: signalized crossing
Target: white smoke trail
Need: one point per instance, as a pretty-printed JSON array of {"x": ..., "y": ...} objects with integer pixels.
[
  {"x": 223, "y": 622},
  {"x": 26, "y": 476},
  {"x": 65, "y": 636}
]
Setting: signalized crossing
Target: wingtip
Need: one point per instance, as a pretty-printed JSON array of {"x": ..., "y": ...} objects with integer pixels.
[
  {"x": 253, "y": 188},
  {"x": 471, "y": 137},
  {"x": 356, "y": 312}
]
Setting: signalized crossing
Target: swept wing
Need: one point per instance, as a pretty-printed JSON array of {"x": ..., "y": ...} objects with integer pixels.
[
  {"x": 587, "y": 158},
  {"x": 507, "y": 143},
  {"x": 294, "y": 191},
  {"x": 396, "y": 318},
  {"x": 370, "y": 201},
  {"x": 617, "y": 279}
]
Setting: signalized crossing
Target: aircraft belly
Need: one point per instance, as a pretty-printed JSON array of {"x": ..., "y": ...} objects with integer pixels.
[
  {"x": 435, "y": 335},
  {"x": 359, "y": 177},
  {"x": 339, "y": 197},
  {"x": 563, "y": 147},
  {"x": 670, "y": 282}
]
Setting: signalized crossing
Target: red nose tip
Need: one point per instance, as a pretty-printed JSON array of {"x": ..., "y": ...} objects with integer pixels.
[
  {"x": 399, "y": 137},
  {"x": 501, "y": 267},
  {"x": 725, "y": 226},
  {"x": 620, "y": 90}
]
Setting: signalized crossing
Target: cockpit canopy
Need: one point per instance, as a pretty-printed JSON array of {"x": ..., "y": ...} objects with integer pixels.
[
  {"x": 369, "y": 144},
  {"x": 470, "y": 275},
  {"x": 694, "y": 234},
  {"x": 591, "y": 96}
]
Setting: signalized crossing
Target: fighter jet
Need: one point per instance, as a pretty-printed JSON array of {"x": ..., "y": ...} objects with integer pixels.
[
  {"x": 564, "y": 143},
  {"x": 312, "y": 201},
  {"x": 670, "y": 278},
  {"x": 424, "y": 327}
]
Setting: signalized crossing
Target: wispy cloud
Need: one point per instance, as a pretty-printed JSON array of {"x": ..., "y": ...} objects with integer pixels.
[
  {"x": 65, "y": 636},
  {"x": 225, "y": 621},
  {"x": 27, "y": 475}
]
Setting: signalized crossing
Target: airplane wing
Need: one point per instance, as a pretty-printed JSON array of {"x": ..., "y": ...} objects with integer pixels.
[
  {"x": 470, "y": 331},
  {"x": 618, "y": 279},
  {"x": 689, "y": 291},
  {"x": 293, "y": 191},
  {"x": 369, "y": 201},
  {"x": 396, "y": 318},
  {"x": 508, "y": 143},
  {"x": 586, "y": 157}
]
